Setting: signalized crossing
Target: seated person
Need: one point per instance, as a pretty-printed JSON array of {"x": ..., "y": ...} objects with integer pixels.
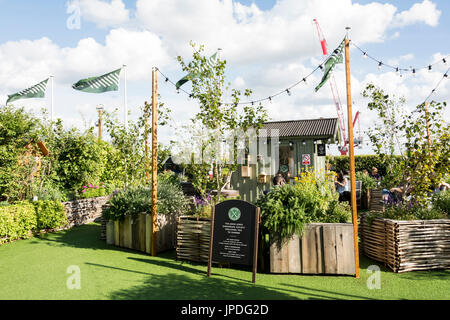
[
  {"x": 374, "y": 174},
  {"x": 277, "y": 181}
]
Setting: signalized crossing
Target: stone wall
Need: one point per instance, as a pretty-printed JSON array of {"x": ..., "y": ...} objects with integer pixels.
[{"x": 84, "y": 211}]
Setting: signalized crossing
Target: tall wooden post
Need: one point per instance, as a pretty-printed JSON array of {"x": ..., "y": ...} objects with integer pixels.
[
  {"x": 154, "y": 160},
  {"x": 100, "y": 121},
  {"x": 147, "y": 160},
  {"x": 352, "y": 153}
]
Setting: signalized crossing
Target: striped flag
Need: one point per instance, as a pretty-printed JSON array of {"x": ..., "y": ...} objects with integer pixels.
[
  {"x": 104, "y": 83},
  {"x": 210, "y": 62},
  {"x": 335, "y": 58},
  {"x": 36, "y": 91}
]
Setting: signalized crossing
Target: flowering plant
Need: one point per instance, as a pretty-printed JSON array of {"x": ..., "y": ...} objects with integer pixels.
[{"x": 92, "y": 191}]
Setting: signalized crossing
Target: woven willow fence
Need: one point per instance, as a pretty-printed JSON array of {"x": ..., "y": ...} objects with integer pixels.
[
  {"x": 193, "y": 235},
  {"x": 407, "y": 245}
]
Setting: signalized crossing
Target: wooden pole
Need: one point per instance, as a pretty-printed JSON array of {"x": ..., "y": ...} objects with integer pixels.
[
  {"x": 154, "y": 161},
  {"x": 211, "y": 239},
  {"x": 255, "y": 244},
  {"x": 147, "y": 160},
  {"x": 100, "y": 111},
  {"x": 352, "y": 153}
]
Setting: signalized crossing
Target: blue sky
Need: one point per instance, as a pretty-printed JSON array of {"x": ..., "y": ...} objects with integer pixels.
[{"x": 268, "y": 45}]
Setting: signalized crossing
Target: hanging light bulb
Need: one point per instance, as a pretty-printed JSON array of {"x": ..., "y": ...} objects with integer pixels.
[
  {"x": 445, "y": 75},
  {"x": 364, "y": 55},
  {"x": 167, "y": 79},
  {"x": 414, "y": 72},
  {"x": 288, "y": 92},
  {"x": 178, "y": 91},
  {"x": 304, "y": 80},
  {"x": 397, "y": 71},
  {"x": 379, "y": 65},
  {"x": 444, "y": 61},
  {"x": 270, "y": 99},
  {"x": 321, "y": 67},
  {"x": 429, "y": 68}
]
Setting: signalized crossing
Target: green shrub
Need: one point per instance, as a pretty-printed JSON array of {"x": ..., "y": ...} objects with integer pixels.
[
  {"x": 441, "y": 201},
  {"x": 135, "y": 200},
  {"x": 406, "y": 212},
  {"x": 93, "y": 191},
  {"x": 367, "y": 181},
  {"x": 341, "y": 163},
  {"x": 50, "y": 214},
  {"x": 16, "y": 221}
]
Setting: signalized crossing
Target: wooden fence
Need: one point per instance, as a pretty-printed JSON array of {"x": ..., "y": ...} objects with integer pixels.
[
  {"x": 407, "y": 245},
  {"x": 324, "y": 248},
  {"x": 193, "y": 235}
]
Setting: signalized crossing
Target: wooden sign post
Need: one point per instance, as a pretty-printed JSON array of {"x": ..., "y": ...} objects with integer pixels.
[
  {"x": 352, "y": 153},
  {"x": 154, "y": 161},
  {"x": 234, "y": 234}
]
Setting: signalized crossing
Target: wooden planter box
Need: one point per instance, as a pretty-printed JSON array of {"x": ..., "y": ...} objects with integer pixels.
[
  {"x": 324, "y": 248},
  {"x": 193, "y": 237},
  {"x": 407, "y": 245},
  {"x": 136, "y": 233}
]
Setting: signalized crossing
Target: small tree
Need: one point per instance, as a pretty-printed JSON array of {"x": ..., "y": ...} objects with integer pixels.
[
  {"x": 424, "y": 158},
  {"x": 208, "y": 87}
]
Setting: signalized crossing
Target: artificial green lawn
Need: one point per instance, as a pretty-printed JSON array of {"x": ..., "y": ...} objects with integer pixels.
[{"x": 36, "y": 269}]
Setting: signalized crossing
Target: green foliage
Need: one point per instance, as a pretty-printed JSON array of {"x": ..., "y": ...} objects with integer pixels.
[
  {"x": 285, "y": 210},
  {"x": 425, "y": 142},
  {"x": 50, "y": 214},
  {"x": 441, "y": 201},
  {"x": 135, "y": 200},
  {"x": 93, "y": 191},
  {"x": 16, "y": 221},
  {"x": 341, "y": 163},
  {"x": 367, "y": 181},
  {"x": 18, "y": 129},
  {"x": 406, "y": 212}
]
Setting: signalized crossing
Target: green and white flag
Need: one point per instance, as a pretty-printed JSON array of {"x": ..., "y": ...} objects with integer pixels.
[
  {"x": 36, "y": 91},
  {"x": 104, "y": 83},
  {"x": 336, "y": 57},
  {"x": 210, "y": 62}
]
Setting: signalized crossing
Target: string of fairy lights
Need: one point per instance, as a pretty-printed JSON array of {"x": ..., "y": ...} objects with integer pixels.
[{"x": 398, "y": 69}]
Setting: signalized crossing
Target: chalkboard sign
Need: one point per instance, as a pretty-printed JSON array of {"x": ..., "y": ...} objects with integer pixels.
[
  {"x": 234, "y": 234},
  {"x": 321, "y": 150}
]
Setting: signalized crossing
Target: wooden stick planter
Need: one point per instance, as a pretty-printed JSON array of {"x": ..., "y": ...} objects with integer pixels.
[
  {"x": 193, "y": 237},
  {"x": 407, "y": 245},
  {"x": 135, "y": 232},
  {"x": 324, "y": 248}
]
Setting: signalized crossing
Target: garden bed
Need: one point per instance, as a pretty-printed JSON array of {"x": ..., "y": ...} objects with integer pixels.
[
  {"x": 135, "y": 232},
  {"x": 84, "y": 211},
  {"x": 407, "y": 245},
  {"x": 324, "y": 248}
]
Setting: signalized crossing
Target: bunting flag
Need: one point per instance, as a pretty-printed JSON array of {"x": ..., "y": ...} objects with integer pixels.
[
  {"x": 36, "y": 91},
  {"x": 210, "y": 62},
  {"x": 336, "y": 57},
  {"x": 104, "y": 83}
]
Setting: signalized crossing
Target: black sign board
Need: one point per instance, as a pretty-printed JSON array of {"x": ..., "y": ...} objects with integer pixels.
[
  {"x": 234, "y": 234},
  {"x": 321, "y": 150}
]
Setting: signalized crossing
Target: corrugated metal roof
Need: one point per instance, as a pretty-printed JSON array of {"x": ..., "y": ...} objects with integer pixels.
[{"x": 303, "y": 128}]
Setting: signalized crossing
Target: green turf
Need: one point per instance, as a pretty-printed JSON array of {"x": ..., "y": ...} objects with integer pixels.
[{"x": 36, "y": 269}]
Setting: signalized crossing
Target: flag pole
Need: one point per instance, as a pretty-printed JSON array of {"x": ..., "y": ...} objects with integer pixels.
[
  {"x": 154, "y": 160},
  {"x": 125, "y": 97},
  {"x": 352, "y": 152}
]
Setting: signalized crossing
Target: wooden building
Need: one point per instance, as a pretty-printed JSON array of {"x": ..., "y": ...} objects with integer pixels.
[{"x": 302, "y": 146}]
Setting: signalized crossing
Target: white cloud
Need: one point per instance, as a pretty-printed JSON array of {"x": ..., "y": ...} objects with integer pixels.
[
  {"x": 425, "y": 12},
  {"x": 102, "y": 13}
]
